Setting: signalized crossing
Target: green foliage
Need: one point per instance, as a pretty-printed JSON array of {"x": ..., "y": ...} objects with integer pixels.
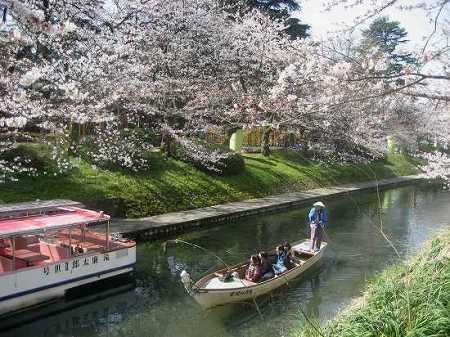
[
  {"x": 411, "y": 299},
  {"x": 296, "y": 29},
  {"x": 234, "y": 163},
  {"x": 388, "y": 35},
  {"x": 277, "y": 10},
  {"x": 34, "y": 160},
  {"x": 171, "y": 185},
  {"x": 39, "y": 155},
  {"x": 385, "y": 34}
]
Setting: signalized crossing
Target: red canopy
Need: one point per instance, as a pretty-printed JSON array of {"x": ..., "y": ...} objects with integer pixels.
[{"x": 65, "y": 217}]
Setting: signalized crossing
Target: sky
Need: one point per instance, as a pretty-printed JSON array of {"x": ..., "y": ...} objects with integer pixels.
[{"x": 415, "y": 21}]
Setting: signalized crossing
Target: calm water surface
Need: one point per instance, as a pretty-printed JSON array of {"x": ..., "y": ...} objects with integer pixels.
[{"x": 157, "y": 305}]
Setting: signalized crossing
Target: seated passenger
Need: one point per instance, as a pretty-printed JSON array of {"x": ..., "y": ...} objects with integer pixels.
[
  {"x": 280, "y": 265},
  {"x": 78, "y": 249},
  {"x": 266, "y": 267},
  {"x": 253, "y": 272},
  {"x": 288, "y": 250}
]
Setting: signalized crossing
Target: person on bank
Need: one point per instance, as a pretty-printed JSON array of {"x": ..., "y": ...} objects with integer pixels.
[
  {"x": 318, "y": 218},
  {"x": 280, "y": 264},
  {"x": 253, "y": 272}
]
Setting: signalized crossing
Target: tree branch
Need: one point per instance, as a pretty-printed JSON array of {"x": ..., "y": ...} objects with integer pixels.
[
  {"x": 436, "y": 18},
  {"x": 376, "y": 12},
  {"x": 428, "y": 96}
]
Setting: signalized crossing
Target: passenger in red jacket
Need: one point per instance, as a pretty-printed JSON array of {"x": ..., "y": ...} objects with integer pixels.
[{"x": 253, "y": 272}]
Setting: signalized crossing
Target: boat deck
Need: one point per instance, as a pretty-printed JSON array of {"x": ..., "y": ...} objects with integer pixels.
[{"x": 216, "y": 283}]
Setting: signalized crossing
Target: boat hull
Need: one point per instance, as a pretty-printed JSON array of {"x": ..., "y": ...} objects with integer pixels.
[
  {"x": 209, "y": 298},
  {"x": 31, "y": 286}
]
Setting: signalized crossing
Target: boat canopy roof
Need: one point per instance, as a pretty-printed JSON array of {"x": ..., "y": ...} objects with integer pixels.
[
  {"x": 57, "y": 217},
  {"x": 34, "y": 207}
]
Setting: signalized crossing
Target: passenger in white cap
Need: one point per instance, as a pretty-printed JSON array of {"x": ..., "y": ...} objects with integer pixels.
[{"x": 318, "y": 218}]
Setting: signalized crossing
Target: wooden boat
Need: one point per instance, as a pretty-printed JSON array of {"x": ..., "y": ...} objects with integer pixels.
[
  {"x": 47, "y": 248},
  {"x": 211, "y": 290}
]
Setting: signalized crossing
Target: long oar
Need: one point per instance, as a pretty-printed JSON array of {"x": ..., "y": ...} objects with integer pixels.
[
  {"x": 195, "y": 246},
  {"x": 327, "y": 237}
]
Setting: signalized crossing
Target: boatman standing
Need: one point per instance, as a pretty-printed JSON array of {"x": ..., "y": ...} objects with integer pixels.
[{"x": 318, "y": 218}]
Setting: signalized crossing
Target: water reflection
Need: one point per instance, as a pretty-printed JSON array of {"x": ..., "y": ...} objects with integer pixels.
[{"x": 157, "y": 305}]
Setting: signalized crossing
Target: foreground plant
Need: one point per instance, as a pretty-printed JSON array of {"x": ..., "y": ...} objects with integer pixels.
[{"x": 410, "y": 299}]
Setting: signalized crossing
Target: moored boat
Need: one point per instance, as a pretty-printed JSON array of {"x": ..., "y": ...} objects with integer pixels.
[
  {"x": 212, "y": 290},
  {"x": 47, "y": 248}
]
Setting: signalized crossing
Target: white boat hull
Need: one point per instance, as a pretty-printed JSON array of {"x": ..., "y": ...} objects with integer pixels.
[
  {"x": 30, "y": 286},
  {"x": 209, "y": 298}
]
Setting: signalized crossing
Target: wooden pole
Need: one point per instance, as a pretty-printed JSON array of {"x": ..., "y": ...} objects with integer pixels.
[
  {"x": 83, "y": 233},
  {"x": 13, "y": 243},
  {"x": 70, "y": 241},
  {"x": 107, "y": 235}
]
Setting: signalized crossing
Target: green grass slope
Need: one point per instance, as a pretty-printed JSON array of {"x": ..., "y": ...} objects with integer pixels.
[{"x": 171, "y": 185}]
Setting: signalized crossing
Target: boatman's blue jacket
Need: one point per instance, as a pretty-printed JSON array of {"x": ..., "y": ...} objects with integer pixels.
[{"x": 322, "y": 218}]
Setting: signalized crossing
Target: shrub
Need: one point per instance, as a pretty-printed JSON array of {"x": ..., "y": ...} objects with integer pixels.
[
  {"x": 33, "y": 160},
  {"x": 112, "y": 148},
  {"x": 209, "y": 158}
]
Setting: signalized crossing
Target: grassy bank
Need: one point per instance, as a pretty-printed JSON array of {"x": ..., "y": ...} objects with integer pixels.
[
  {"x": 409, "y": 299},
  {"x": 171, "y": 185}
]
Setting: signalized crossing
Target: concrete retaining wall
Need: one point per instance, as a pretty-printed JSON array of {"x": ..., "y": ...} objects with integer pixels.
[{"x": 170, "y": 224}]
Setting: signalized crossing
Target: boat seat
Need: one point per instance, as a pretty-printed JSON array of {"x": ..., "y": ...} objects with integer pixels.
[
  {"x": 5, "y": 264},
  {"x": 20, "y": 243},
  {"x": 298, "y": 259},
  {"x": 59, "y": 253},
  {"x": 20, "y": 264},
  {"x": 91, "y": 239},
  {"x": 303, "y": 253},
  {"x": 92, "y": 247},
  {"x": 56, "y": 253}
]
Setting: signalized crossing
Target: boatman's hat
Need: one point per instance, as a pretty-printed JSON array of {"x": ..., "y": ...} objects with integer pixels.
[{"x": 319, "y": 204}]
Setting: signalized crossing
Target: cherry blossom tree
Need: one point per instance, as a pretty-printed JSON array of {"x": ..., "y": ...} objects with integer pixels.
[
  {"x": 148, "y": 61},
  {"x": 433, "y": 54},
  {"x": 184, "y": 68},
  {"x": 428, "y": 82}
]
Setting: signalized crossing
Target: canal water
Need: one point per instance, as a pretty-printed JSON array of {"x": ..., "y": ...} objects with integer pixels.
[{"x": 155, "y": 303}]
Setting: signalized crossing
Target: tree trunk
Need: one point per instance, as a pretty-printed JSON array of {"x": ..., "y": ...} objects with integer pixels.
[
  {"x": 304, "y": 144},
  {"x": 74, "y": 138},
  {"x": 167, "y": 144},
  {"x": 265, "y": 141},
  {"x": 5, "y": 12},
  {"x": 304, "y": 147}
]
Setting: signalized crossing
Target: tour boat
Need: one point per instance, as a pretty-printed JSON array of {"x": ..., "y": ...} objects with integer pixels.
[
  {"x": 47, "y": 248},
  {"x": 212, "y": 290}
]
